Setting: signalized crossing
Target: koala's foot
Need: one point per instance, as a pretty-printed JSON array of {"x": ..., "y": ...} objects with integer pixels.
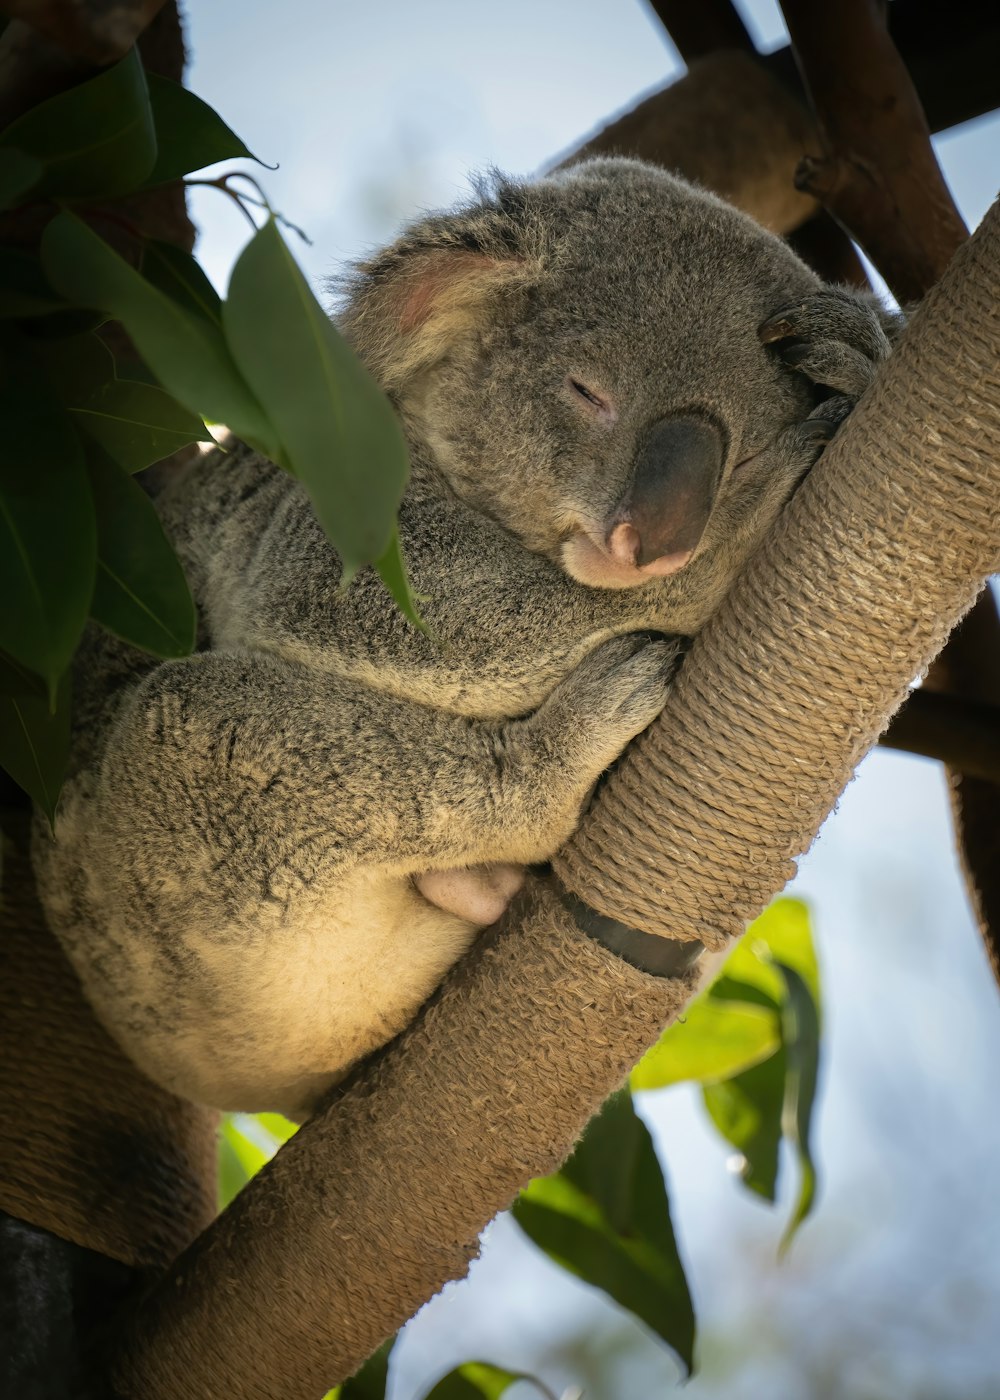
[{"x": 479, "y": 893}]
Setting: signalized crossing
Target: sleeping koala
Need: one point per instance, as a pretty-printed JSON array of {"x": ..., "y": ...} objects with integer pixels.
[{"x": 268, "y": 854}]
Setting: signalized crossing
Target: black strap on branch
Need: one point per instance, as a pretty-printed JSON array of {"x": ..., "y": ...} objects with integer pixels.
[{"x": 649, "y": 952}]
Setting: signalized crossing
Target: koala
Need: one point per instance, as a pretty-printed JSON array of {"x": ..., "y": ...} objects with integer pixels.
[{"x": 268, "y": 854}]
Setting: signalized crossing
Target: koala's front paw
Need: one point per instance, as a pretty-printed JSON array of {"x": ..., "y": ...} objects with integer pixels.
[
  {"x": 837, "y": 339},
  {"x": 611, "y": 696}
]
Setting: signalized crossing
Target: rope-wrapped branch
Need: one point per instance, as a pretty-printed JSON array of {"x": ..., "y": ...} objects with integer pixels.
[{"x": 379, "y": 1199}]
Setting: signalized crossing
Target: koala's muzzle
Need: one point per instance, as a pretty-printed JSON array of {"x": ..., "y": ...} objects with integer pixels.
[{"x": 666, "y": 505}]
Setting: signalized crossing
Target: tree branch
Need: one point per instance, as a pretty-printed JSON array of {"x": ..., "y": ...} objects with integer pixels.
[
  {"x": 877, "y": 175},
  {"x": 963, "y": 733}
]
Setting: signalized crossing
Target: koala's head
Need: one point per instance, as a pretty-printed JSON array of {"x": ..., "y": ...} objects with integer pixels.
[{"x": 578, "y": 358}]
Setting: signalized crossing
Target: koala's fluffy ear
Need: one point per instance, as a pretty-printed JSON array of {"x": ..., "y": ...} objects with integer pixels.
[{"x": 407, "y": 306}]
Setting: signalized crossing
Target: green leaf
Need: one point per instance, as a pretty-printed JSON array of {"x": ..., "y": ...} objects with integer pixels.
[
  {"x": 392, "y": 571},
  {"x": 23, "y": 288},
  {"x": 371, "y": 1381},
  {"x": 136, "y": 423},
  {"x": 341, "y": 437},
  {"x": 140, "y": 592},
  {"x": 232, "y": 1177},
  {"x": 96, "y": 139},
  {"x": 277, "y": 1127},
  {"x": 47, "y": 530},
  {"x": 179, "y": 276},
  {"x": 756, "y": 1108},
  {"x": 186, "y": 351},
  {"x": 34, "y": 736},
  {"x": 605, "y": 1217},
  {"x": 247, "y": 1153},
  {"x": 479, "y": 1380},
  {"x": 800, "y": 1024},
  {"x": 19, "y": 173},
  {"x": 190, "y": 135},
  {"x": 747, "y": 1112},
  {"x": 783, "y": 930},
  {"x": 715, "y": 1040}
]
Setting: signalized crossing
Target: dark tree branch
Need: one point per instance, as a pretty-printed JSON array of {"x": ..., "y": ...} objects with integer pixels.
[
  {"x": 703, "y": 27},
  {"x": 877, "y": 174},
  {"x": 963, "y": 733}
]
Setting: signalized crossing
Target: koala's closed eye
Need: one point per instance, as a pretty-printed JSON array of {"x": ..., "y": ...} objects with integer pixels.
[{"x": 588, "y": 394}]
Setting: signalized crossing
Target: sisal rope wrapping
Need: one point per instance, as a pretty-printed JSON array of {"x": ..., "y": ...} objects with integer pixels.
[
  {"x": 367, "y": 1211},
  {"x": 879, "y": 553}
]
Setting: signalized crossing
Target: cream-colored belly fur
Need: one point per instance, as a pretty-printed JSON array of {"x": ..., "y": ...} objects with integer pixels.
[{"x": 303, "y": 1002}]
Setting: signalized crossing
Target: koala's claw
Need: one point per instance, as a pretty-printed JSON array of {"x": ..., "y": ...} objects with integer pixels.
[{"x": 837, "y": 339}]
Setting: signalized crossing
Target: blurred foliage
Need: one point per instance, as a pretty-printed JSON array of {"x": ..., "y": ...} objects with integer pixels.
[
  {"x": 79, "y": 539},
  {"x": 751, "y": 1041}
]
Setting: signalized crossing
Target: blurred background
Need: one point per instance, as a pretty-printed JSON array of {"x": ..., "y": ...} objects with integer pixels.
[{"x": 374, "y": 112}]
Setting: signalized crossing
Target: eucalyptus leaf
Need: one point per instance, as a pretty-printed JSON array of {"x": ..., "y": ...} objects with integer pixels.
[
  {"x": 138, "y": 424},
  {"x": 47, "y": 530},
  {"x": 34, "y": 738},
  {"x": 180, "y": 277},
  {"x": 605, "y": 1217},
  {"x": 715, "y": 1040},
  {"x": 19, "y": 173},
  {"x": 232, "y": 1177},
  {"x": 95, "y": 140},
  {"x": 392, "y": 571},
  {"x": 747, "y": 1110},
  {"x": 783, "y": 932},
  {"x": 341, "y": 437},
  {"x": 478, "y": 1380},
  {"x": 189, "y": 133},
  {"x": 278, "y": 1128},
  {"x": 754, "y": 1109},
  {"x": 186, "y": 351},
  {"x": 800, "y": 1023},
  {"x": 140, "y": 592},
  {"x": 247, "y": 1153}
]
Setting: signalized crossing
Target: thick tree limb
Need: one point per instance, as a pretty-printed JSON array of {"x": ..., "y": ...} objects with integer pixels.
[
  {"x": 703, "y": 27},
  {"x": 877, "y": 175},
  {"x": 962, "y": 732},
  {"x": 728, "y": 124},
  {"x": 377, "y": 1202}
]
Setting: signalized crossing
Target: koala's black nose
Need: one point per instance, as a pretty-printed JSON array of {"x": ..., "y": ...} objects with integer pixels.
[{"x": 669, "y": 498}]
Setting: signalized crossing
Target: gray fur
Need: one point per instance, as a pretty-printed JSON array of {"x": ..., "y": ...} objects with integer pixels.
[{"x": 243, "y": 843}]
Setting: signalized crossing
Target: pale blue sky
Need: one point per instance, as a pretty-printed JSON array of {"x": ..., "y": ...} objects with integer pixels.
[{"x": 375, "y": 111}]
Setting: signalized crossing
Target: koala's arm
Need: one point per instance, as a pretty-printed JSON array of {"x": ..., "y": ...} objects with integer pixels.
[{"x": 230, "y": 784}]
